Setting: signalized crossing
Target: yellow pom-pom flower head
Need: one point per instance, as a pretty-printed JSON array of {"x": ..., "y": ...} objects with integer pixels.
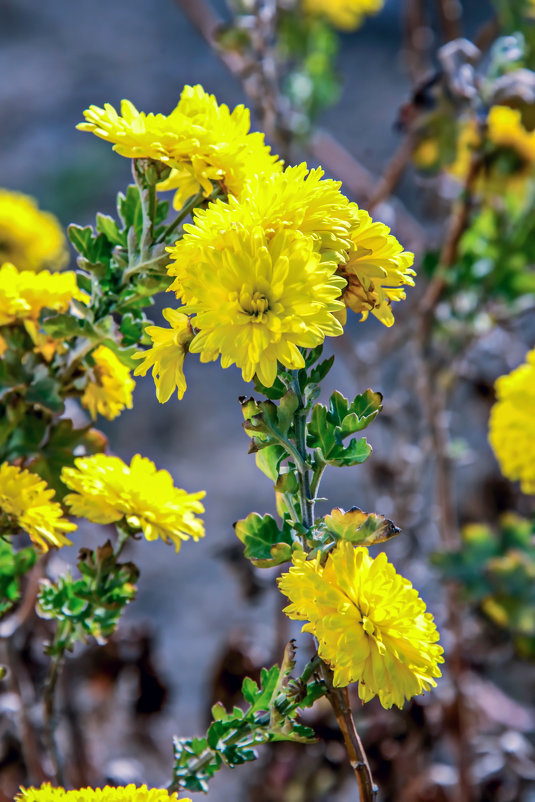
[
  {"x": 376, "y": 271},
  {"x": 296, "y": 200},
  {"x": 259, "y": 300},
  {"x": 26, "y": 503},
  {"x": 107, "y": 490},
  {"x": 23, "y": 294},
  {"x": 129, "y": 793},
  {"x": 29, "y": 238},
  {"x": 203, "y": 142},
  {"x": 110, "y": 386},
  {"x": 370, "y": 623},
  {"x": 512, "y": 424},
  {"x": 166, "y": 357},
  {"x": 344, "y": 14}
]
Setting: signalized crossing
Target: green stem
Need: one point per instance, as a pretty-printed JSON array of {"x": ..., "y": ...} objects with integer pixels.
[
  {"x": 194, "y": 201},
  {"x": 303, "y": 473},
  {"x": 316, "y": 479},
  {"x": 49, "y": 701}
]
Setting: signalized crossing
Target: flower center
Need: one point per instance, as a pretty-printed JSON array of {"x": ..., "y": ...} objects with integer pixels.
[{"x": 254, "y": 303}]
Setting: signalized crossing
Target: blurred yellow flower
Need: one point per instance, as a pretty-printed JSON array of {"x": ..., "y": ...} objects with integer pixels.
[
  {"x": 29, "y": 238},
  {"x": 130, "y": 793},
  {"x": 371, "y": 625},
  {"x": 25, "y": 503},
  {"x": 376, "y": 271},
  {"x": 261, "y": 299},
  {"x": 107, "y": 491},
  {"x": 23, "y": 294},
  {"x": 203, "y": 142},
  {"x": 344, "y": 14},
  {"x": 512, "y": 424},
  {"x": 166, "y": 357},
  {"x": 110, "y": 386}
]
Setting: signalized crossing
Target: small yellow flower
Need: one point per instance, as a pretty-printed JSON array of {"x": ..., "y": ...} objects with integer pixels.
[
  {"x": 203, "y": 142},
  {"x": 107, "y": 490},
  {"x": 260, "y": 300},
  {"x": 29, "y": 238},
  {"x": 512, "y": 424},
  {"x": 25, "y": 503},
  {"x": 506, "y": 130},
  {"x": 130, "y": 793},
  {"x": 110, "y": 385},
  {"x": 344, "y": 14},
  {"x": 376, "y": 271},
  {"x": 24, "y": 294},
  {"x": 166, "y": 357},
  {"x": 371, "y": 625}
]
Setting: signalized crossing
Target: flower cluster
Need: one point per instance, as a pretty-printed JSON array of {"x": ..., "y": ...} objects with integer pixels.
[
  {"x": 26, "y": 503},
  {"x": 512, "y": 424},
  {"x": 109, "y": 388},
  {"x": 204, "y": 143},
  {"x": 109, "y": 491},
  {"x": 29, "y": 238},
  {"x": 129, "y": 793},
  {"x": 344, "y": 14},
  {"x": 370, "y": 623}
]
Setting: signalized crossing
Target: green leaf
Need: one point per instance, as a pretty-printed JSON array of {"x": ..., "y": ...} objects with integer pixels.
[
  {"x": 106, "y": 225},
  {"x": 44, "y": 391},
  {"x": 268, "y": 460},
  {"x": 361, "y": 528},
  {"x": 129, "y": 209},
  {"x": 13, "y": 566},
  {"x": 65, "y": 326},
  {"x": 265, "y": 544}
]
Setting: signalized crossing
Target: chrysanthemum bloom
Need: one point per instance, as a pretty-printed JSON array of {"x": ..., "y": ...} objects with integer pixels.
[
  {"x": 512, "y": 424},
  {"x": 203, "y": 142},
  {"x": 130, "y": 793},
  {"x": 509, "y": 157},
  {"x": 296, "y": 199},
  {"x": 110, "y": 385},
  {"x": 344, "y": 14},
  {"x": 166, "y": 357},
  {"x": 259, "y": 300},
  {"x": 376, "y": 270},
  {"x": 26, "y": 503},
  {"x": 107, "y": 491},
  {"x": 29, "y": 238},
  {"x": 370, "y": 623},
  {"x": 24, "y": 294}
]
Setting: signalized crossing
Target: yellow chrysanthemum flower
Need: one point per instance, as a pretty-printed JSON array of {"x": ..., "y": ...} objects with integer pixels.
[
  {"x": 296, "y": 199},
  {"x": 344, "y": 14},
  {"x": 24, "y": 294},
  {"x": 130, "y": 793},
  {"x": 376, "y": 271},
  {"x": 203, "y": 142},
  {"x": 25, "y": 503},
  {"x": 107, "y": 490},
  {"x": 260, "y": 299},
  {"x": 166, "y": 357},
  {"x": 110, "y": 385},
  {"x": 371, "y": 625},
  {"x": 512, "y": 424},
  {"x": 29, "y": 238}
]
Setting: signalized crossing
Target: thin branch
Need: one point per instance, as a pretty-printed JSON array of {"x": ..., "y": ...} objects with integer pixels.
[{"x": 392, "y": 174}]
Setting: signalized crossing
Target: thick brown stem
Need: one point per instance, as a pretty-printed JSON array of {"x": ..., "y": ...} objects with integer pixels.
[{"x": 339, "y": 700}]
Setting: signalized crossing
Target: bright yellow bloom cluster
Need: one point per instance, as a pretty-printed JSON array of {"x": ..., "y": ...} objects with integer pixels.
[
  {"x": 130, "y": 793},
  {"x": 203, "y": 142},
  {"x": 344, "y": 14},
  {"x": 370, "y": 623},
  {"x": 25, "y": 503},
  {"x": 110, "y": 386},
  {"x": 107, "y": 490},
  {"x": 29, "y": 238},
  {"x": 166, "y": 357},
  {"x": 24, "y": 294},
  {"x": 267, "y": 273},
  {"x": 512, "y": 424}
]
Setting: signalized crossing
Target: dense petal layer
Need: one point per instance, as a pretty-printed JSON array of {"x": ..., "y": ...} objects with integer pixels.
[
  {"x": 110, "y": 386},
  {"x": 29, "y": 238},
  {"x": 370, "y": 623},
  {"x": 130, "y": 793}
]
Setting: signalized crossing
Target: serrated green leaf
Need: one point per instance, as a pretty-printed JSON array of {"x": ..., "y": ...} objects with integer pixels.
[
  {"x": 265, "y": 544},
  {"x": 107, "y": 225},
  {"x": 268, "y": 460}
]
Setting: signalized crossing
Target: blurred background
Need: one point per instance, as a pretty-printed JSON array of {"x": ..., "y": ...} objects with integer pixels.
[{"x": 204, "y": 619}]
